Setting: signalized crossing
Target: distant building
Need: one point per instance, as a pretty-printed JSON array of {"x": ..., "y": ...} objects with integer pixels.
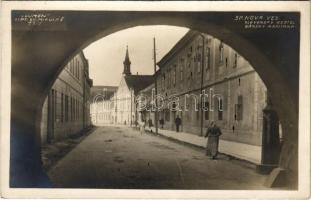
[
  {"x": 66, "y": 108},
  {"x": 102, "y": 104},
  {"x": 124, "y": 97}
]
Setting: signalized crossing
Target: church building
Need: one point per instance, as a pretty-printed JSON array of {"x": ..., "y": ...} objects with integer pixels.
[{"x": 124, "y": 111}]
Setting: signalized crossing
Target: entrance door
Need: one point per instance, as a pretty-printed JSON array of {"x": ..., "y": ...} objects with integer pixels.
[{"x": 51, "y": 116}]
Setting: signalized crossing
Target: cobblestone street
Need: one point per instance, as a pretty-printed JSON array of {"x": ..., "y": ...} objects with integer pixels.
[{"x": 122, "y": 158}]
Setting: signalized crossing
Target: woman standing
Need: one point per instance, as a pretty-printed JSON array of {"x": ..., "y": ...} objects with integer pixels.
[
  {"x": 213, "y": 132},
  {"x": 142, "y": 126}
]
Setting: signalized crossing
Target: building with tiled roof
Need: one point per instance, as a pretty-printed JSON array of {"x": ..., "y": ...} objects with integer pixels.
[{"x": 125, "y": 97}]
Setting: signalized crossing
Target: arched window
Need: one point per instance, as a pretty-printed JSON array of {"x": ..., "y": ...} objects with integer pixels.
[
  {"x": 221, "y": 53},
  {"x": 174, "y": 75},
  {"x": 182, "y": 70},
  {"x": 220, "y": 109},
  {"x": 235, "y": 62},
  {"x": 238, "y": 114}
]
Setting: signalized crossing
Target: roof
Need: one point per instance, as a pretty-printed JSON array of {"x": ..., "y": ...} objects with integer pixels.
[
  {"x": 138, "y": 82},
  {"x": 148, "y": 89},
  {"x": 105, "y": 91},
  {"x": 177, "y": 47}
]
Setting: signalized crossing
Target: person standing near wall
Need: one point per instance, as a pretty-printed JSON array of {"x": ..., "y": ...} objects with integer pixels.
[
  {"x": 142, "y": 126},
  {"x": 213, "y": 132},
  {"x": 150, "y": 123},
  {"x": 177, "y": 123},
  {"x": 162, "y": 122}
]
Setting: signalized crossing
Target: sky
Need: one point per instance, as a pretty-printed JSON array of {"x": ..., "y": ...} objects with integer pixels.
[{"x": 106, "y": 55}]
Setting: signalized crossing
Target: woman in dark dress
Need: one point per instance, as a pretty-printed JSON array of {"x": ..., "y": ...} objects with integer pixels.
[{"x": 213, "y": 132}]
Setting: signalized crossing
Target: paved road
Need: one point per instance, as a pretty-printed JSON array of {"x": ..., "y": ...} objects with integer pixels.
[{"x": 122, "y": 158}]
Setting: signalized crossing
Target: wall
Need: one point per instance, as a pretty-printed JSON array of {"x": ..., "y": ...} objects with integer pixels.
[
  {"x": 101, "y": 112},
  {"x": 61, "y": 117},
  {"x": 230, "y": 77},
  {"x": 124, "y": 99}
]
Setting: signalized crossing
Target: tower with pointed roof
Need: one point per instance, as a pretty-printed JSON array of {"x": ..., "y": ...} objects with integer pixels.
[{"x": 127, "y": 63}]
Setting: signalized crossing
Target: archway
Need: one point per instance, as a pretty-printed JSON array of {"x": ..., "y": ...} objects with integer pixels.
[{"x": 273, "y": 54}]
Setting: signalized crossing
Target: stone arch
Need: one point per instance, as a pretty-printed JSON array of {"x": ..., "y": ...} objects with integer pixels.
[{"x": 267, "y": 52}]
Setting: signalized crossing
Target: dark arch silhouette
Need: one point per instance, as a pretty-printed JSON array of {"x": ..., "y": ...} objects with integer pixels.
[{"x": 39, "y": 54}]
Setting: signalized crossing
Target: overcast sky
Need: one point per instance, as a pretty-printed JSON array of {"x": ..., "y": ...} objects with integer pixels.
[{"x": 107, "y": 54}]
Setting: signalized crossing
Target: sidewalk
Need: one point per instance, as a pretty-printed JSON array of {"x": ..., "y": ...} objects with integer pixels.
[
  {"x": 52, "y": 153},
  {"x": 242, "y": 151}
]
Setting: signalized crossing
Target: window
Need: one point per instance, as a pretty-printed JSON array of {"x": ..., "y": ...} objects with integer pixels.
[
  {"x": 80, "y": 104},
  {"x": 206, "y": 110},
  {"x": 74, "y": 109},
  {"x": 71, "y": 108},
  {"x": 235, "y": 63},
  {"x": 238, "y": 114},
  {"x": 240, "y": 107},
  {"x": 70, "y": 66},
  {"x": 207, "y": 59},
  {"x": 181, "y": 69},
  {"x": 62, "y": 108},
  {"x": 73, "y": 66},
  {"x": 168, "y": 78},
  {"x": 163, "y": 81},
  {"x": 174, "y": 75},
  {"x": 66, "y": 108},
  {"x": 198, "y": 111},
  {"x": 77, "y": 110},
  {"x": 54, "y": 104},
  {"x": 207, "y": 63},
  {"x": 189, "y": 70},
  {"x": 159, "y": 82},
  {"x": 198, "y": 61},
  {"x": 221, "y": 53},
  {"x": 78, "y": 70},
  {"x": 190, "y": 51},
  {"x": 167, "y": 115},
  {"x": 220, "y": 109}
]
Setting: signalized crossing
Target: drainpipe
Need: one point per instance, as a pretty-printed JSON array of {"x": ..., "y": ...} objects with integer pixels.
[
  {"x": 202, "y": 78},
  {"x": 83, "y": 106}
]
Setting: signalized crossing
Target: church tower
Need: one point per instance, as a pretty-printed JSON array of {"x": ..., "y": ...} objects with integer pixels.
[{"x": 127, "y": 63}]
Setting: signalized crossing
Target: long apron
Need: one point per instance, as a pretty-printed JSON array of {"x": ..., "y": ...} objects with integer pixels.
[{"x": 212, "y": 145}]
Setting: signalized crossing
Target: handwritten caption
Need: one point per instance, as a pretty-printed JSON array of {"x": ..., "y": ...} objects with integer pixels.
[
  {"x": 264, "y": 22},
  {"x": 38, "y": 19}
]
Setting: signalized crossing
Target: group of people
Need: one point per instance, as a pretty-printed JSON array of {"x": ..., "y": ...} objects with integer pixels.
[{"x": 213, "y": 132}]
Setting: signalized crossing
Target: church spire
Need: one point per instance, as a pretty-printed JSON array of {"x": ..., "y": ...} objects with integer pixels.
[{"x": 127, "y": 63}]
